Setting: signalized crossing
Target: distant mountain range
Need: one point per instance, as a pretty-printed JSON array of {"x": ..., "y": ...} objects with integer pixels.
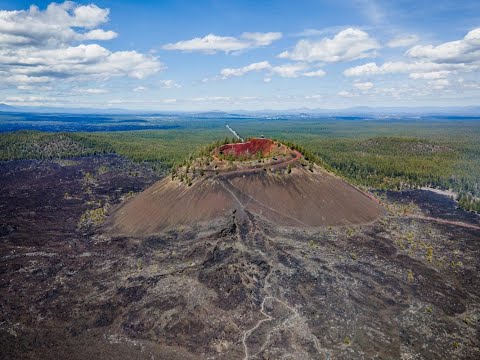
[
  {"x": 374, "y": 111},
  {"x": 57, "y": 110},
  {"x": 5, "y": 107},
  {"x": 473, "y": 111}
]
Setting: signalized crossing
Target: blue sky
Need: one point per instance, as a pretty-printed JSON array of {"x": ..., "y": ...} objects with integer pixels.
[{"x": 227, "y": 55}]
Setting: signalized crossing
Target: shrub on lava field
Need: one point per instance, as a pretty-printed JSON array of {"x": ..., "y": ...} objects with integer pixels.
[
  {"x": 93, "y": 217},
  {"x": 410, "y": 276},
  {"x": 429, "y": 254}
]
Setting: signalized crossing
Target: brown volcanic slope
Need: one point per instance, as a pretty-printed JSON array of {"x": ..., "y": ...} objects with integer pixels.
[{"x": 300, "y": 198}]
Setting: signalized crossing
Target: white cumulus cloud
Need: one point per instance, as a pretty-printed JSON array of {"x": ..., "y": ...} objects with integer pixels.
[
  {"x": 316, "y": 73},
  {"x": 212, "y": 99},
  {"x": 57, "y": 24},
  {"x": 170, "y": 84},
  {"x": 24, "y": 79},
  {"x": 40, "y": 46},
  {"x": 348, "y": 44},
  {"x": 211, "y": 43},
  {"x": 432, "y": 63},
  {"x": 92, "y": 91},
  {"x": 29, "y": 99},
  {"x": 466, "y": 50},
  {"x": 433, "y": 75},
  {"x": 262, "y": 39},
  {"x": 402, "y": 67},
  {"x": 99, "y": 34},
  {"x": 290, "y": 70},
  {"x": 364, "y": 86},
  {"x": 229, "y": 72}
]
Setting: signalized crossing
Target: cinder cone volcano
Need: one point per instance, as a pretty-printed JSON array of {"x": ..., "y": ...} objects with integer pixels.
[{"x": 260, "y": 176}]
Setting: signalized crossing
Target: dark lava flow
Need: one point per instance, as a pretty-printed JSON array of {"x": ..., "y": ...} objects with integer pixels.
[{"x": 240, "y": 288}]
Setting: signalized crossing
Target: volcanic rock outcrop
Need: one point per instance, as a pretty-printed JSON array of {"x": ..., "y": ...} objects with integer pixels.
[{"x": 264, "y": 177}]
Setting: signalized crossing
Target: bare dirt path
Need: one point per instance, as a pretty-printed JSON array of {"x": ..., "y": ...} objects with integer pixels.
[
  {"x": 259, "y": 168},
  {"x": 443, "y": 221},
  {"x": 234, "y": 132}
]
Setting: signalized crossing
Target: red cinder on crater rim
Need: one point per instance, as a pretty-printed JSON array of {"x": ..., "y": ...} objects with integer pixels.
[{"x": 248, "y": 148}]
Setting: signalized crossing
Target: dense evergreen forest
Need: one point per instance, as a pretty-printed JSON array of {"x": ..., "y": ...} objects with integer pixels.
[{"x": 375, "y": 154}]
